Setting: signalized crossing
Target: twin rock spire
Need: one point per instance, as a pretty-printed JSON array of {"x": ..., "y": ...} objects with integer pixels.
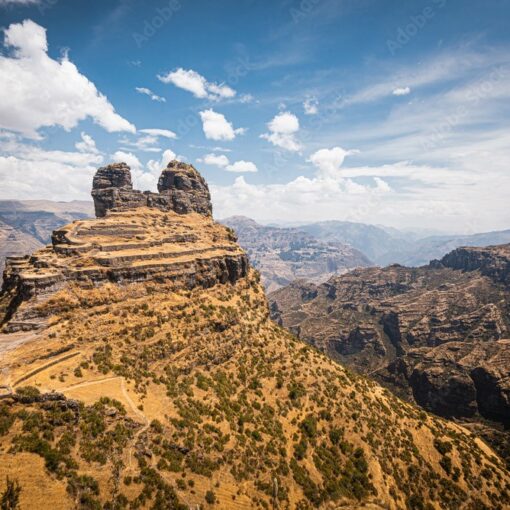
[{"x": 181, "y": 188}]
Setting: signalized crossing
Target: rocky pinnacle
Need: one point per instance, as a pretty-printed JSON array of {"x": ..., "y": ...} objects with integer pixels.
[{"x": 181, "y": 188}]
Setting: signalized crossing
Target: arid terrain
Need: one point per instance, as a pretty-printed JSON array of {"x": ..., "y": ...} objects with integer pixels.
[
  {"x": 140, "y": 369},
  {"x": 435, "y": 335}
]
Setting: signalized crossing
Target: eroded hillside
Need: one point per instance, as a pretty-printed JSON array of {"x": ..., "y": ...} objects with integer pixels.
[
  {"x": 171, "y": 387},
  {"x": 436, "y": 335}
]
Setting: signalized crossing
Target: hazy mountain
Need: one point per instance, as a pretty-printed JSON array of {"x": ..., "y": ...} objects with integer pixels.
[
  {"x": 284, "y": 254},
  {"x": 385, "y": 245}
]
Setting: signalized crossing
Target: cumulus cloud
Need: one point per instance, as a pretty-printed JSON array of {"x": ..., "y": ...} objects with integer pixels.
[
  {"x": 87, "y": 144},
  {"x": 329, "y": 161},
  {"x": 219, "y": 160},
  {"x": 45, "y": 92},
  {"x": 242, "y": 166},
  {"x": 401, "y": 91},
  {"x": 311, "y": 106},
  {"x": 282, "y": 131},
  {"x": 217, "y": 127},
  {"x": 27, "y": 171},
  {"x": 126, "y": 157},
  {"x": 148, "y": 92},
  {"x": 193, "y": 82}
]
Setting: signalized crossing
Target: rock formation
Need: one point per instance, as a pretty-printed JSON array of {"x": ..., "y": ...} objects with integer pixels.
[
  {"x": 137, "y": 237},
  {"x": 181, "y": 189},
  {"x": 157, "y": 380}
]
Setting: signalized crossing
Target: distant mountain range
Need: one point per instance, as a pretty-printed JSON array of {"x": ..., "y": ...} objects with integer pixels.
[
  {"x": 283, "y": 255},
  {"x": 386, "y": 246},
  {"x": 313, "y": 252}
]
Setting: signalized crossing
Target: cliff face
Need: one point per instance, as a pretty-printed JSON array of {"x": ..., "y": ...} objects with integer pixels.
[
  {"x": 156, "y": 380},
  {"x": 435, "y": 335},
  {"x": 181, "y": 189}
]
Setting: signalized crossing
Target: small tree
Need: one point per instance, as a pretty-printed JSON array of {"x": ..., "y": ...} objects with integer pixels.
[{"x": 10, "y": 497}]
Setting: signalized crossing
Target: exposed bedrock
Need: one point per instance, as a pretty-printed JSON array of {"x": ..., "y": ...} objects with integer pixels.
[{"x": 181, "y": 189}]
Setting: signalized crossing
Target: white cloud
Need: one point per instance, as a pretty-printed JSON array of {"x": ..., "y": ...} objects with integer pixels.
[
  {"x": 401, "y": 91},
  {"x": 157, "y": 166},
  {"x": 127, "y": 157},
  {"x": 29, "y": 172},
  {"x": 196, "y": 84},
  {"x": 146, "y": 143},
  {"x": 217, "y": 127},
  {"x": 311, "y": 106},
  {"x": 87, "y": 144},
  {"x": 242, "y": 166},
  {"x": 148, "y": 92},
  {"x": 19, "y": 2},
  {"x": 46, "y": 92},
  {"x": 165, "y": 133},
  {"x": 219, "y": 160},
  {"x": 329, "y": 161},
  {"x": 282, "y": 129}
]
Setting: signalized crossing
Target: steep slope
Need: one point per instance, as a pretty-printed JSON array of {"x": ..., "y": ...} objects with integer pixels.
[
  {"x": 173, "y": 389},
  {"x": 283, "y": 255},
  {"x": 435, "y": 335}
]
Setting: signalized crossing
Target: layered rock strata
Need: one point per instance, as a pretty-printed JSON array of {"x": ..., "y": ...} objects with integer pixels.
[
  {"x": 180, "y": 189},
  {"x": 174, "y": 241},
  {"x": 435, "y": 335}
]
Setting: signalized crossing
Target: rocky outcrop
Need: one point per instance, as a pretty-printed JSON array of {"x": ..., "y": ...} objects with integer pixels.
[
  {"x": 493, "y": 262},
  {"x": 181, "y": 189},
  {"x": 138, "y": 237}
]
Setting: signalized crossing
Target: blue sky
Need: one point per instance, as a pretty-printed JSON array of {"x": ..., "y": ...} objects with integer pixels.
[{"x": 375, "y": 111}]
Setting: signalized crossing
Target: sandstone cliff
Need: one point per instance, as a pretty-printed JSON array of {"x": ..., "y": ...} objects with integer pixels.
[{"x": 156, "y": 380}]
